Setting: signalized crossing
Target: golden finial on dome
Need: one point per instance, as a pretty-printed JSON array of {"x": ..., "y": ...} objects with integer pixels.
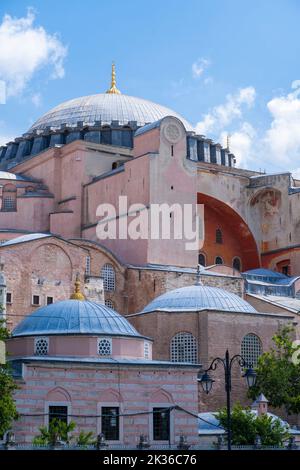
[
  {"x": 113, "y": 89},
  {"x": 77, "y": 295}
]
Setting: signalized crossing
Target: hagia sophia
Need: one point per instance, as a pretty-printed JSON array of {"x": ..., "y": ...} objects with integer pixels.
[{"x": 146, "y": 314}]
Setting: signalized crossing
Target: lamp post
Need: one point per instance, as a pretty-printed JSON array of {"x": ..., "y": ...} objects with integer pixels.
[{"x": 227, "y": 362}]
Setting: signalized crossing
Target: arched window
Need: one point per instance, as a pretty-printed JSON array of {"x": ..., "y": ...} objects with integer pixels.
[
  {"x": 219, "y": 236},
  {"x": 251, "y": 348},
  {"x": 236, "y": 264},
  {"x": 201, "y": 259},
  {"x": 184, "y": 348},
  {"x": 218, "y": 260},
  {"x": 106, "y": 135},
  {"x": 9, "y": 198},
  {"x": 109, "y": 277},
  {"x": 109, "y": 303}
]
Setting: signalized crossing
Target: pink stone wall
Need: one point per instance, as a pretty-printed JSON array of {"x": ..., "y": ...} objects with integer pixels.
[
  {"x": 85, "y": 389},
  {"x": 82, "y": 346}
]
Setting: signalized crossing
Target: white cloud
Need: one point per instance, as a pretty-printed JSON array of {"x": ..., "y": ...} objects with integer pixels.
[
  {"x": 199, "y": 67},
  {"x": 282, "y": 139},
  {"x": 296, "y": 173},
  {"x": 222, "y": 115},
  {"x": 242, "y": 143},
  {"x": 26, "y": 48},
  {"x": 4, "y": 139},
  {"x": 37, "y": 99}
]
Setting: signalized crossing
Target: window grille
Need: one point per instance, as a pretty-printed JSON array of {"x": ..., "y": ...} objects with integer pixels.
[
  {"x": 9, "y": 204},
  {"x": 146, "y": 350},
  {"x": 109, "y": 277},
  {"x": 41, "y": 346},
  {"x": 88, "y": 266},
  {"x": 109, "y": 303},
  {"x": 251, "y": 348},
  {"x": 104, "y": 347},
  {"x": 184, "y": 348}
]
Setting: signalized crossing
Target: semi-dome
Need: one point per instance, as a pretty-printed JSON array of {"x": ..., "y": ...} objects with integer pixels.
[
  {"x": 105, "y": 108},
  {"x": 69, "y": 317},
  {"x": 198, "y": 297}
]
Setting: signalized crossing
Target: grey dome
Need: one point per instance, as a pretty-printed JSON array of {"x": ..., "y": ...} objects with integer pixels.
[
  {"x": 75, "y": 317},
  {"x": 194, "y": 298},
  {"x": 105, "y": 107}
]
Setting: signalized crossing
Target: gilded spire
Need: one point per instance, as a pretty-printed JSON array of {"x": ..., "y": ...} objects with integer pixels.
[
  {"x": 113, "y": 88},
  {"x": 77, "y": 295}
]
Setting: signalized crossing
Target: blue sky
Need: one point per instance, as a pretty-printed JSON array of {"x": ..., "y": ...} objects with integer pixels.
[{"x": 227, "y": 66}]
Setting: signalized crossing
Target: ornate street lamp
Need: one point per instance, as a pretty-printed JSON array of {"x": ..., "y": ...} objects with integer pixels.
[{"x": 227, "y": 362}]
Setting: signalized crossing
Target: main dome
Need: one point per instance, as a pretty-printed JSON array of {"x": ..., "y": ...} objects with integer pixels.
[
  {"x": 194, "y": 298},
  {"x": 69, "y": 317},
  {"x": 105, "y": 107}
]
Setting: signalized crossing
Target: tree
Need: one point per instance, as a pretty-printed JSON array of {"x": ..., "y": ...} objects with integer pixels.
[
  {"x": 59, "y": 431},
  {"x": 8, "y": 411},
  {"x": 278, "y": 373},
  {"x": 245, "y": 426}
]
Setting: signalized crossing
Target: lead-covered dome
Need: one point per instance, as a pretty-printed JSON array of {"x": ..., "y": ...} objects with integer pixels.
[
  {"x": 105, "y": 108},
  {"x": 69, "y": 317},
  {"x": 194, "y": 298}
]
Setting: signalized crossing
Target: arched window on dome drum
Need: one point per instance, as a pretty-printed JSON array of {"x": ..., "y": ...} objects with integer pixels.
[
  {"x": 251, "y": 348},
  {"x": 236, "y": 264},
  {"x": 183, "y": 348},
  {"x": 218, "y": 260},
  {"x": 9, "y": 198},
  {"x": 109, "y": 277},
  {"x": 202, "y": 259},
  {"x": 219, "y": 236},
  {"x": 106, "y": 135}
]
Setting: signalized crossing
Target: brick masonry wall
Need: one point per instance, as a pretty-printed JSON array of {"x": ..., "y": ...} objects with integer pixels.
[
  {"x": 215, "y": 332},
  {"x": 133, "y": 389},
  {"x": 45, "y": 267}
]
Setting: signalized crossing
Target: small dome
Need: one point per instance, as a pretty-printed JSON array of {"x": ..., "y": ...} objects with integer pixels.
[
  {"x": 193, "y": 298},
  {"x": 73, "y": 317},
  {"x": 105, "y": 107}
]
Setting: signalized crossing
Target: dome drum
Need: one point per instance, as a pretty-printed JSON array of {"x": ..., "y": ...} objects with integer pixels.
[
  {"x": 105, "y": 118},
  {"x": 98, "y": 347},
  {"x": 31, "y": 144},
  {"x": 77, "y": 328}
]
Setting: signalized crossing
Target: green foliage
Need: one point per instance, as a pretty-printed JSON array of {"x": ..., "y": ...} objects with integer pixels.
[
  {"x": 8, "y": 412},
  {"x": 85, "y": 439},
  {"x": 58, "y": 431},
  {"x": 4, "y": 333},
  {"x": 278, "y": 373},
  {"x": 245, "y": 426},
  {"x": 242, "y": 424}
]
